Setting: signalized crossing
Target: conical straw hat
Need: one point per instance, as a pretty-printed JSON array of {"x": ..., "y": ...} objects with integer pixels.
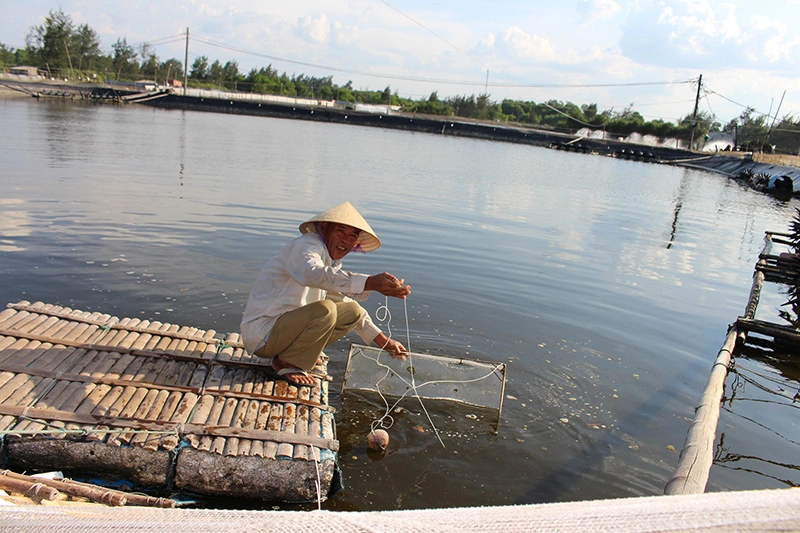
[{"x": 346, "y": 214}]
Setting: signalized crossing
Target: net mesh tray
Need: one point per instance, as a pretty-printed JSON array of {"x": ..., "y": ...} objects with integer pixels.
[{"x": 428, "y": 376}]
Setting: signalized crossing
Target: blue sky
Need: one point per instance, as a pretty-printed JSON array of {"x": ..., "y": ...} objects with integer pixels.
[{"x": 614, "y": 53}]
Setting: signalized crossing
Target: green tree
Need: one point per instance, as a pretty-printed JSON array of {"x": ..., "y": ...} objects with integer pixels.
[
  {"x": 199, "y": 70},
  {"x": 7, "y": 57},
  {"x": 124, "y": 61},
  {"x": 230, "y": 72},
  {"x": 84, "y": 47},
  {"x": 148, "y": 66},
  {"x": 589, "y": 111},
  {"x": 748, "y": 129},
  {"x": 171, "y": 69},
  {"x": 431, "y": 106},
  {"x": 48, "y": 44},
  {"x": 215, "y": 72}
]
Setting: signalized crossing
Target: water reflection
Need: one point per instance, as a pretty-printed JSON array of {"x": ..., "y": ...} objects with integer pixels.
[
  {"x": 14, "y": 224},
  {"x": 605, "y": 285}
]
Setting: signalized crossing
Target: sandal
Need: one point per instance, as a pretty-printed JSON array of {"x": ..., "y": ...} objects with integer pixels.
[{"x": 283, "y": 374}]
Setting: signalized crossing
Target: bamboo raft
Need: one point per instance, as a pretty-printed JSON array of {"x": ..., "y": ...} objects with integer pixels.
[
  {"x": 160, "y": 405},
  {"x": 697, "y": 456}
]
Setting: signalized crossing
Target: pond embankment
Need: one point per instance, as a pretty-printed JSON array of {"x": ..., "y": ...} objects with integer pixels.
[{"x": 743, "y": 166}]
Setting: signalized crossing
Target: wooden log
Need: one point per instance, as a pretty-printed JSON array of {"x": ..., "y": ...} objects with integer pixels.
[
  {"x": 5, "y": 342},
  {"x": 164, "y": 415},
  {"x": 64, "y": 402},
  {"x": 116, "y": 408},
  {"x": 776, "y": 331},
  {"x": 5, "y": 314},
  {"x": 12, "y": 386},
  {"x": 48, "y": 323},
  {"x": 34, "y": 326},
  {"x": 273, "y": 424},
  {"x": 141, "y": 402},
  {"x": 12, "y": 321},
  {"x": 215, "y": 431},
  {"x": 262, "y": 417},
  {"x": 6, "y": 376},
  {"x": 180, "y": 416},
  {"x": 226, "y": 353},
  {"x": 286, "y": 449},
  {"x": 225, "y": 417},
  {"x": 113, "y": 364},
  {"x": 36, "y": 490},
  {"x": 12, "y": 352},
  {"x": 231, "y": 447},
  {"x": 200, "y": 417},
  {"x": 45, "y": 402},
  {"x": 91, "y": 492},
  {"x": 302, "y": 424},
  {"x": 21, "y": 324},
  {"x": 155, "y": 408},
  {"x": 16, "y": 398},
  {"x": 213, "y": 419},
  {"x": 102, "y": 410},
  {"x": 249, "y": 421}
]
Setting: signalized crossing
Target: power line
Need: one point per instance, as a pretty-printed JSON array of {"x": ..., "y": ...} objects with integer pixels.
[
  {"x": 421, "y": 25},
  {"x": 434, "y": 80}
]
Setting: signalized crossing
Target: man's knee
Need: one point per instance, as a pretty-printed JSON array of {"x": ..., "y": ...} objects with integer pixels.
[
  {"x": 325, "y": 312},
  {"x": 350, "y": 314}
]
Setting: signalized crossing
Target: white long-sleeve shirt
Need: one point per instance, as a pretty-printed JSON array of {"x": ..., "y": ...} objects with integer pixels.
[{"x": 303, "y": 272}]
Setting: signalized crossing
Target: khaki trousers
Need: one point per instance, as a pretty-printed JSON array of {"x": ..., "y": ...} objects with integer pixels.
[{"x": 300, "y": 335}]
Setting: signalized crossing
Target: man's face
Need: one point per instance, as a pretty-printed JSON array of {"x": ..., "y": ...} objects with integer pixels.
[{"x": 339, "y": 238}]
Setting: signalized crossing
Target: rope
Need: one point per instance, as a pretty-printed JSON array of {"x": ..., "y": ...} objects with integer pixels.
[
  {"x": 386, "y": 420},
  {"x": 318, "y": 480},
  {"x": 84, "y": 431},
  {"x": 413, "y": 386}
]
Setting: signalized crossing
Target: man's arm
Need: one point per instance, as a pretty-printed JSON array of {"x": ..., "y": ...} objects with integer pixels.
[
  {"x": 394, "y": 348},
  {"x": 388, "y": 285}
]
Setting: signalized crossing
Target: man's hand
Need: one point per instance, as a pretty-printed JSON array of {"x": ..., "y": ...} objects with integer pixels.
[
  {"x": 391, "y": 346},
  {"x": 388, "y": 285}
]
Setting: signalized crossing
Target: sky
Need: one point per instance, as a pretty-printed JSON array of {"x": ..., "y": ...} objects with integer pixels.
[{"x": 644, "y": 54}]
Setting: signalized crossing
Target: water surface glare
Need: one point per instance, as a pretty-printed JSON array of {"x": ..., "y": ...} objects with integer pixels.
[{"x": 606, "y": 285}]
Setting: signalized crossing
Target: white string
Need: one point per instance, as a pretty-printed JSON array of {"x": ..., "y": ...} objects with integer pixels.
[
  {"x": 318, "y": 481},
  {"x": 383, "y": 311}
]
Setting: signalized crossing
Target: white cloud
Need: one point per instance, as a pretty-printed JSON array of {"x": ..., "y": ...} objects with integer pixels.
[
  {"x": 592, "y": 11},
  {"x": 345, "y": 35},
  {"x": 698, "y": 28},
  {"x": 775, "y": 43},
  {"x": 314, "y": 29},
  {"x": 528, "y": 46}
]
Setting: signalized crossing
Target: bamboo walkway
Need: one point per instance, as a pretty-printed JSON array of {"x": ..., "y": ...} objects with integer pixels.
[
  {"x": 159, "y": 405},
  {"x": 697, "y": 456}
]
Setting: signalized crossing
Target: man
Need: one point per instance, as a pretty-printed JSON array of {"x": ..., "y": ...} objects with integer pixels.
[{"x": 303, "y": 301}]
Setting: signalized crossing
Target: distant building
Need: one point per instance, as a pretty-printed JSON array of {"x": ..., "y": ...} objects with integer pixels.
[
  {"x": 24, "y": 71},
  {"x": 145, "y": 85},
  {"x": 174, "y": 83},
  {"x": 718, "y": 141}
]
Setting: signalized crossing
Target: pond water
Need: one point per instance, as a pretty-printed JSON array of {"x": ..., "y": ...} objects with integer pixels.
[{"x": 605, "y": 285}]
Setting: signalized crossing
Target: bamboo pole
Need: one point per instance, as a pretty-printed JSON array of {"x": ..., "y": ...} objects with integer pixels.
[
  {"x": 697, "y": 455},
  {"x": 35, "y": 490},
  {"x": 97, "y": 494}
]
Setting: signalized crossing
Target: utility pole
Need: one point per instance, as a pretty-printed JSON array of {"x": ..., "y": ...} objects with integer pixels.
[
  {"x": 66, "y": 46},
  {"x": 694, "y": 116},
  {"x": 186, "y": 62},
  {"x": 774, "y": 118}
]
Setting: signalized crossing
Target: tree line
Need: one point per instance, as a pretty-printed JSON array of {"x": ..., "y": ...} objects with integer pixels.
[{"x": 63, "y": 50}]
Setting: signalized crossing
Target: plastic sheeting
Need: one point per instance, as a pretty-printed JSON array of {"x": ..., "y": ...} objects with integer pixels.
[{"x": 728, "y": 512}]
